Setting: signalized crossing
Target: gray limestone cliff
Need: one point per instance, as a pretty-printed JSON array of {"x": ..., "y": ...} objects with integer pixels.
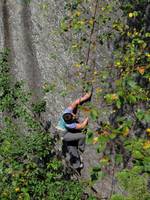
[{"x": 39, "y": 55}]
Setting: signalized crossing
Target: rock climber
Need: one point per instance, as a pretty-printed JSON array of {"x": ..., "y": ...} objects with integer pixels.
[{"x": 72, "y": 131}]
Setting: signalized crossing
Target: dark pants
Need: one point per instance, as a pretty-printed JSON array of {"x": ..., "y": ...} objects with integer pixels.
[{"x": 72, "y": 144}]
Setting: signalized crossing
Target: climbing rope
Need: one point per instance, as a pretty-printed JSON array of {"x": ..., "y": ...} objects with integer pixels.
[{"x": 85, "y": 78}]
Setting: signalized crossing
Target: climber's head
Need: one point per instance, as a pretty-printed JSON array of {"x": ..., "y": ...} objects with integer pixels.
[{"x": 69, "y": 117}]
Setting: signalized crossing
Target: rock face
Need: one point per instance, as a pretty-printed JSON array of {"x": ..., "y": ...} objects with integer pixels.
[{"x": 39, "y": 56}]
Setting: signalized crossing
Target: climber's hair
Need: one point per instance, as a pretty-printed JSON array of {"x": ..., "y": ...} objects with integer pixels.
[{"x": 68, "y": 117}]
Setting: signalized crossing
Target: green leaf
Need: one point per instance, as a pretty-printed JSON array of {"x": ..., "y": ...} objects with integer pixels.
[
  {"x": 132, "y": 99},
  {"x": 147, "y": 34},
  {"x": 39, "y": 107},
  {"x": 147, "y": 117},
  {"x": 96, "y": 168},
  {"x": 137, "y": 154},
  {"x": 64, "y": 25},
  {"x": 132, "y": 83},
  {"x": 89, "y": 134},
  {"x": 63, "y": 93},
  {"x": 94, "y": 176},
  {"x": 140, "y": 114},
  {"x": 118, "y": 103},
  {"x": 92, "y": 198},
  {"x": 49, "y": 87},
  {"x": 117, "y": 197},
  {"x": 118, "y": 158},
  {"x": 26, "y": 194},
  {"x": 94, "y": 114},
  {"x": 137, "y": 169},
  {"x": 101, "y": 174},
  {"x": 108, "y": 98}
]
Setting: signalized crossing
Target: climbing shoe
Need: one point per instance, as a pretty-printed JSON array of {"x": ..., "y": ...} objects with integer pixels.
[{"x": 81, "y": 165}]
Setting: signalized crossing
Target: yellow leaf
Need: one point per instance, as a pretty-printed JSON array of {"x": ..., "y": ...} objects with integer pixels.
[
  {"x": 117, "y": 63},
  {"x": 141, "y": 70},
  {"x": 104, "y": 160},
  {"x": 146, "y": 145},
  {"x": 81, "y": 22},
  {"x": 128, "y": 33},
  {"x": 74, "y": 46},
  {"x": 130, "y": 15},
  {"x": 98, "y": 90},
  {"x": 148, "y": 130},
  {"x": 45, "y": 85},
  {"x": 126, "y": 131},
  {"x": 148, "y": 55},
  {"x": 114, "y": 96},
  {"x": 77, "y": 13},
  {"x": 94, "y": 80},
  {"x": 78, "y": 65},
  {"x": 95, "y": 140},
  {"x": 5, "y": 194},
  {"x": 135, "y": 33},
  {"x": 17, "y": 189},
  {"x": 91, "y": 22},
  {"x": 95, "y": 72}
]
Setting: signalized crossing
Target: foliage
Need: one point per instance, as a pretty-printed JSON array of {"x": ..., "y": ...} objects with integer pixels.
[
  {"x": 123, "y": 85},
  {"x": 39, "y": 107},
  {"x": 26, "y": 1},
  {"x": 135, "y": 185},
  {"x": 29, "y": 168}
]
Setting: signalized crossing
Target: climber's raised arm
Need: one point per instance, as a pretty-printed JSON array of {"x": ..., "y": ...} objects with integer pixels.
[{"x": 73, "y": 105}]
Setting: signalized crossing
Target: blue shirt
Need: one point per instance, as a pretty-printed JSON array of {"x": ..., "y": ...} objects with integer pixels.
[{"x": 62, "y": 125}]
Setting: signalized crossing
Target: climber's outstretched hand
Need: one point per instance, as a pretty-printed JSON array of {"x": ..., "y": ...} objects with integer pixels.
[
  {"x": 86, "y": 97},
  {"x": 80, "y": 100}
]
